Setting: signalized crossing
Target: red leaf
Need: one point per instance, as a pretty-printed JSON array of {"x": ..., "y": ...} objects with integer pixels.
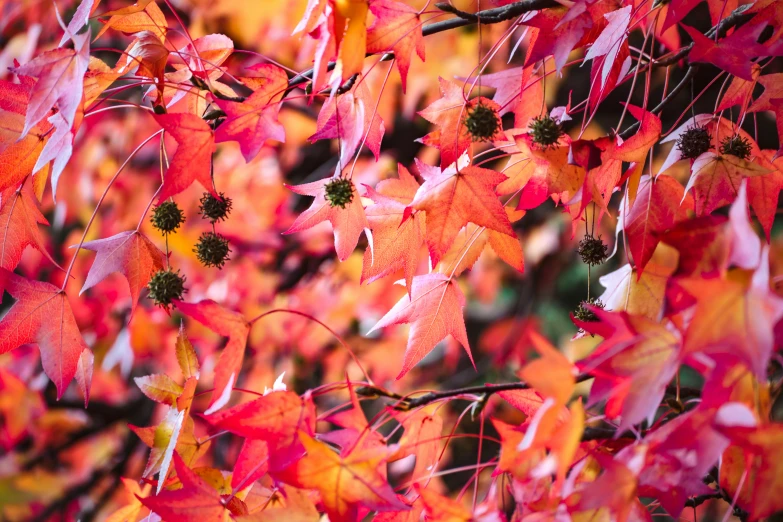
[
  {"x": 348, "y": 483},
  {"x": 252, "y": 463},
  {"x": 396, "y": 241},
  {"x": 42, "y": 315},
  {"x": 733, "y": 54},
  {"x": 454, "y": 197},
  {"x": 60, "y": 73},
  {"x": 716, "y": 179},
  {"x": 357, "y": 118},
  {"x": 19, "y": 220},
  {"x": 193, "y": 159},
  {"x": 130, "y": 253},
  {"x": 254, "y": 121},
  {"x": 228, "y": 324},
  {"x": 274, "y": 418},
  {"x": 397, "y": 28},
  {"x": 347, "y": 222},
  {"x": 434, "y": 310}
]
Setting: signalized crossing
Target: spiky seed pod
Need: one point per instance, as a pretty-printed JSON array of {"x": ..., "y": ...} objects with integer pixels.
[
  {"x": 592, "y": 250},
  {"x": 586, "y": 315},
  {"x": 166, "y": 286},
  {"x": 339, "y": 192},
  {"x": 212, "y": 249},
  {"x": 167, "y": 217},
  {"x": 482, "y": 122},
  {"x": 215, "y": 208},
  {"x": 545, "y": 131},
  {"x": 736, "y": 146},
  {"x": 694, "y": 142}
]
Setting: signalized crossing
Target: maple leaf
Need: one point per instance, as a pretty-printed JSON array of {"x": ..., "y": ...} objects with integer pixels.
[
  {"x": 773, "y": 89},
  {"x": 703, "y": 245},
  {"x": 350, "y": 117},
  {"x": 764, "y": 191},
  {"x": 195, "y": 501},
  {"x": 732, "y": 319},
  {"x": 632, "y": 366},
  {"x": 755, "y": 449},
  {"x": 347, "y": 222},
  {"x": 731, "y": 54},
  {"x": 434, "y": 310},
  {"x": 160, "y": 388},
  {"x": 252, "y": 463},
  {"x": 19, "y": 220},
  {"x": 397, "y": 28},
  {"x": 455, "y": 197},
  {"x": 610, "y": 41},
  {"x": 347, "y": 482},
  {"x": 274, "y": 418},
  {"x": 716, "y": 179},
  {"x": 133, "y": 492},
  {"x": 193, "y": 159},
  {"x": 442, "y": 509},
  {"x": 473, "y": 240},
  {"x": 19, "y": 408},
  {"x": 423, "y": 429},
  {"x": 130, "y": 253},
  {"x": 640, "y": 293},
  {"x": 550, "y": 175},
  {"x": 559, "y": 33},
  {"x": 60, "y": 73},
  {"x": 396, "y": 240},
  {"x": 449, "y": 113},
  {"x": 42, "y": 315},
  {"x": 659, "y": 205},
  {"x": 254, "y": 121},
  {"x": 740, "y": 91},
  {"x": 228, "y": 324},
  {"x": 186, "y": 355},
  {"x": 144, "y": 15}
]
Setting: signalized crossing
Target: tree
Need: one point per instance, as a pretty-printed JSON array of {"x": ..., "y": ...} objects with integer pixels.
[{"x": 577, "y": 201}]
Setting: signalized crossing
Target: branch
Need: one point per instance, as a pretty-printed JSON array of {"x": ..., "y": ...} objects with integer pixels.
[
  {"x": 405, "y": 403},
  {"x": 487, "y": 16}
]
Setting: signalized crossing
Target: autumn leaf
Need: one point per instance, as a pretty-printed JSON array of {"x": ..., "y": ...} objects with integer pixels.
[
  {"x": 434, "y": 310},
  {"x": 144, "y": 15},
  {"x": 559, "y": 32},
  {"x": 397, "y": 240},
  {"x": 19, "y": 220},
  {"x": 441, "y": 509},
  {"x": 640, "y": 293},
  {"x": 455, "y": 197},
  {"x": 42, "y": 315},
  {"x": 764, "y": 191},
  {"x": 352, "y": 119},
  {"x": 449, "y": 113},
  {"x": 186, "y": 355},
  {"x": 130, "y": 253},
  {"x": 396, "y": 28},
  {"x": 195, "y": 501},
  {"x": 610, "y": 41},
  {"x": 716, "y": 179},
  {"x": 423, "y": 429},
  {"x": 252, "y": 463},
  {"x": 659, "y": 205},
  {"x": 347, "y": 222},
  {"x": 160, "y": 388},
  {"x": 733, "y": 53},
  {"x": 60, "y": 73},
  {"x": 254, "y": 121},
  {"x": 348, "y": 482},
  {"x": 274, "y": 418},
  {"x": 632, "y": 366},
  {"x": 228, "y": 324},
  {"x": 732, "y": 319},
  {"x": 193, "y": 159}
]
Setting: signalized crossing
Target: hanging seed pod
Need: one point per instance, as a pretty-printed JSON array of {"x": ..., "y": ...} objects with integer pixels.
[
  {"x": 166, "y": 286},
  {"x": 212, "y": 249},
  {"x": 584, "y": 314},
  {"x": 482, "y": 122},
  {"x": 167, "y": 217},
  {"x": 592, "y": 250},
  {"x": 736, "y": 146},
  {"x": 545, "y": 131},
  {"x": 214, "y": 208},
  {"x": 694, "y": 142},
  {"x": 339, "y": 192}
]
